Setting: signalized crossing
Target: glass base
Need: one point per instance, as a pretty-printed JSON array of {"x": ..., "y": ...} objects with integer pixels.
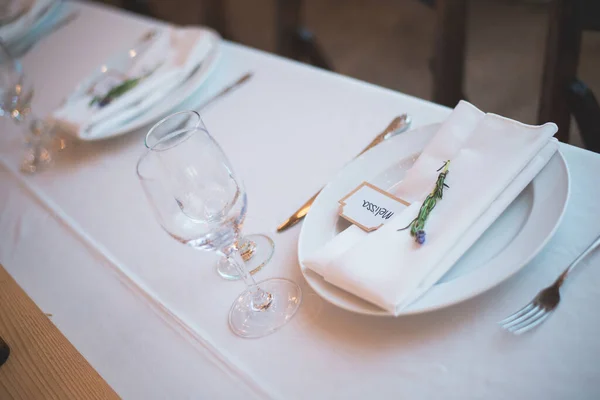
[
  {"x": 256, "y": 250},
  {"x": 40, "y": 147},
  {"x": 36, "y": 160},
  {"x": 246, "y": 322}
]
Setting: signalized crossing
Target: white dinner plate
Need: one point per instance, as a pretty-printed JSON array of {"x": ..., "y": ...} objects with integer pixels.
[
  {"x": 149, "y": 110},
  {"x": 508, "y": 244}
]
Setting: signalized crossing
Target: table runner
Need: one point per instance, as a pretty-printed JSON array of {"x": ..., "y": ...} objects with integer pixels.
[
  {"x": 42, "y": 362},
  {"x": 459, "y": 352}
]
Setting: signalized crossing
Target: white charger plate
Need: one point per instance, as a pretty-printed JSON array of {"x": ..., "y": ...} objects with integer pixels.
[
  {"x": 144, "y": 114},
  {"x": 517, "y": 236}
]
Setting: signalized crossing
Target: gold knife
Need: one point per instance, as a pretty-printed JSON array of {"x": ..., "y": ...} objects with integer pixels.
[
  {"x": 228, "y": 89},
  {"x": 398, "y": 125}
]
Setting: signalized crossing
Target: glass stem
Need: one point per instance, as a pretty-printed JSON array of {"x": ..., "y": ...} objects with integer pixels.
[{"x": 261, "y": 300}]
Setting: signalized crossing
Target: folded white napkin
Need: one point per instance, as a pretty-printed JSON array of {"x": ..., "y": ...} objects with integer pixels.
[
  {"x": 443, "y": 146},
  {"x": 172, "y": 56},
  {"x": 16, "y": 29},
  {"x": 492, "y": 160}
]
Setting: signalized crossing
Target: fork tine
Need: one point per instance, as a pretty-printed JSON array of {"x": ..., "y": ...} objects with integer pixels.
[
  {"x": 517, "y": 314},
  {"x": 533, "y": 324},
  {"x": 523, "y": 317},
  {"x": 528, "y": 321}
]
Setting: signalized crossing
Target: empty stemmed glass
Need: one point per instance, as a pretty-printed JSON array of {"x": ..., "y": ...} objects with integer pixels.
[
  {"x": 256, "y": 249},
  {"x": 15, "y": 103},
  {"x": 200, "y": 201}
]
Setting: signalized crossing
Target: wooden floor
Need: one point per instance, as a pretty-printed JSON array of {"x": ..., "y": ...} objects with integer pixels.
[{"x": 389, "y": 43}]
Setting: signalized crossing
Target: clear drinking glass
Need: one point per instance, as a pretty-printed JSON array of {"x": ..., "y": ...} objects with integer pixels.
[
  {"x": 199, "y": 201},
  {"x": 15, "y": 94},
  {"x": 15, "y": 103},
  {"x": 256, "y": 249}
]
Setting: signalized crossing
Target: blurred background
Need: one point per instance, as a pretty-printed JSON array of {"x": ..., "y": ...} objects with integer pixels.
[{"x": 494, "y": 53}]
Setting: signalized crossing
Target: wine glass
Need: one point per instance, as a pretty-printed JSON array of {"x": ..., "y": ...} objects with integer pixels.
[
  {"x": 15, "y": 103},
  {"x": 15, "y": 94},
  {"x": 256, "y": 249},
  {"x": 199, "y": 201}
]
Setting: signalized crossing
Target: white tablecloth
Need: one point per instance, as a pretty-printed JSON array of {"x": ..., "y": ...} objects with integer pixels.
[{"x": 80, "y": 237}]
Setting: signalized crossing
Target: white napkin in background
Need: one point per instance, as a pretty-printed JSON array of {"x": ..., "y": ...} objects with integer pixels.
[
  {"x": 173, "y": 55},
  {"x": 19, "y": 27},
  {"x": 496, "y": 160}
]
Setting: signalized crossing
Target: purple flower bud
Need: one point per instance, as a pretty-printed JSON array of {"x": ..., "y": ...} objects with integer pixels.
[
  {"x": 104, "y": 102},
  {"x": 420, "y": 237}
]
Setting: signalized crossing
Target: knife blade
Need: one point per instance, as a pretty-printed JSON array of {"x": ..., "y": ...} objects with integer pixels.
[{"x": 398, "y": 125}]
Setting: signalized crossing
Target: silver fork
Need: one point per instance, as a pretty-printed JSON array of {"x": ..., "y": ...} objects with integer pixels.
[{"x": 544, "y": 303}]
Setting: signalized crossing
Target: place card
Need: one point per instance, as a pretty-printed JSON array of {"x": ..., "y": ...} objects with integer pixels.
[{"x": 369, "y": 207}]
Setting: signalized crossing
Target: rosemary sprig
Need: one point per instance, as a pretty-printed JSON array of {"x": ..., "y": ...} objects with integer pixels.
[
  {"x": 120, "y": 89},
  {"x": 417, "y": 225},
  {"x": 115, "y": 92}
]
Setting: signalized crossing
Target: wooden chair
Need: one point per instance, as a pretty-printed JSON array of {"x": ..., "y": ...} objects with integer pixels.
[
  {"x": 449, "y": 49},
  {"x": 562, "y": 93},
  {"x": 138, "y": 7},
  {"x": 213, "y": 13},
  {"x": 293, "y": 39},
  {"x": 297, "y": 42}
]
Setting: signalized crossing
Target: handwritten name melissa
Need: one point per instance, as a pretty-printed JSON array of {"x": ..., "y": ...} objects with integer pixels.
[{"x": 376, "y": 210}]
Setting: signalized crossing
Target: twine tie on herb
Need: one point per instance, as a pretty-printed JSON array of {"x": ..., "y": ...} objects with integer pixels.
[{"x": 417, "y": 225}]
